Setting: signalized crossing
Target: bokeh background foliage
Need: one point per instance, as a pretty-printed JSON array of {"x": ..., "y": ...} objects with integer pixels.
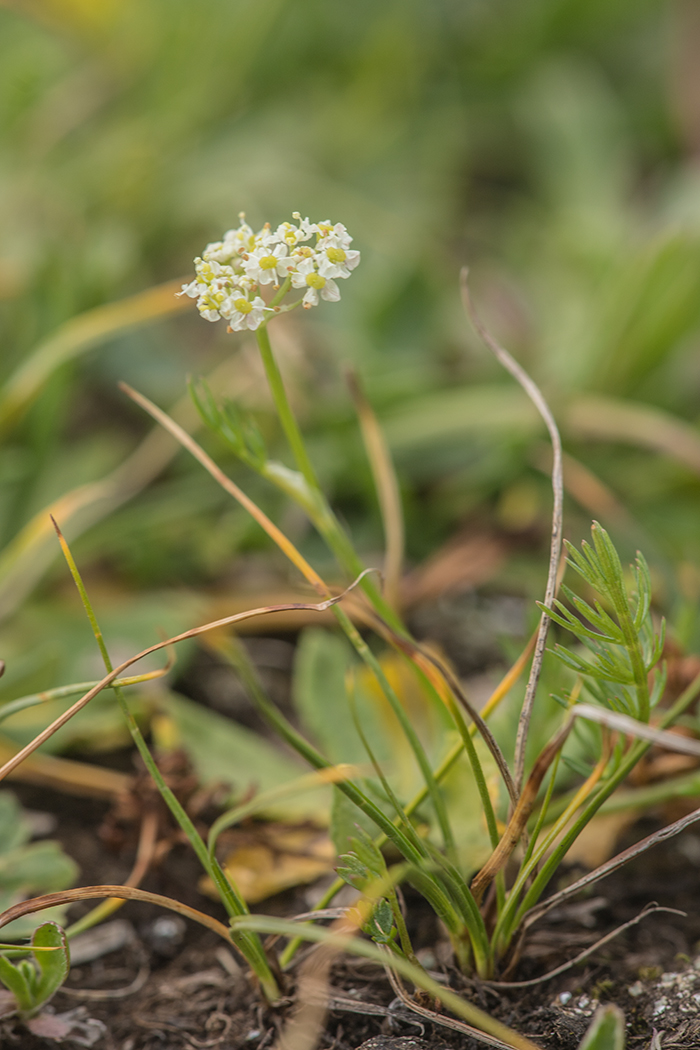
[{"x": 551, "y": 145}]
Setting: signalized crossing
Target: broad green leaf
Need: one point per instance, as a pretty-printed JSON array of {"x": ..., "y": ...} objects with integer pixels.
[
  {"x": 607, "y": 1030},
  {"x": 53, "y": 965}
]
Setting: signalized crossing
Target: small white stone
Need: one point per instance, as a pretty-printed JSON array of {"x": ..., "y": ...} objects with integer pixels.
[
  {"x": 668, "y": 979},
  {"x": 635, "y": 989},
  {"x": 660, "y": 1007},
  {"x": 564, "y": 998}
]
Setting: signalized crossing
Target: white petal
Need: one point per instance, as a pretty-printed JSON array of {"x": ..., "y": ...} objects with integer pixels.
[{"x": 330, "y": 292}]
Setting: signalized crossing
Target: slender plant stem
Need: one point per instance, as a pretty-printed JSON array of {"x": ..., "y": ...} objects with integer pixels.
[{"x": 286, "y": 416}]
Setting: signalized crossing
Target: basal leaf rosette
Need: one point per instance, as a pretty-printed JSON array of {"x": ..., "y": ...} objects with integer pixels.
[{"x": 232, "y": 272}]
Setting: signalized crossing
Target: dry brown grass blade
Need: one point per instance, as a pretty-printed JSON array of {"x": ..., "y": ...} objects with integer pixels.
[
  {"x": 194, "y": 632},
  {"x": 464, "y": 561},
  {"x": 145, "y": 852},
  {"x": 387, "y": 486},
  {"x": 130, "y": 893},
  {"x": 535, "y": 395},
  {"x": 587, "y": 489},
  {"x": 521, "y": 813}
]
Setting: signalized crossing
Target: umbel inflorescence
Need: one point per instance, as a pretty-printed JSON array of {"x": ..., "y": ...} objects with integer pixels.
[{"x": 232, "y": 272}]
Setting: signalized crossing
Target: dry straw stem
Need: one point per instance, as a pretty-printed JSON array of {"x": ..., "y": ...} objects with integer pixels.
[
  {"x": 386, "y": 484},
  {"x": 486, "y": 1028},
  {"x": 129, "y": 893},
  {"x": 607, "y": 419},
  {"x": 304, "y": 1028},
  {"x": 194, "y": 632},
  {"x": 535, "y": 395}
]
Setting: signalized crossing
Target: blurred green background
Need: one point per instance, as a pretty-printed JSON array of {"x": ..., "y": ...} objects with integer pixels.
[{"x": 550, "y": 145}]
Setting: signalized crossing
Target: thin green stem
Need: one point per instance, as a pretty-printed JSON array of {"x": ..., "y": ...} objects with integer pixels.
[{"x": 284, "y": 411}]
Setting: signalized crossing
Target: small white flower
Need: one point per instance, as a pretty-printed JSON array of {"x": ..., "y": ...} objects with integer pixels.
[
  {"x": 241, "y": 313},
  {"x": 292, "y": 235},
  {"x": 193, "y": 289},
  {"x": 334, "y": 261},
  {"x": 306, "y": 276},
  {"x": 265, "y": 263},
  {"x": 336, "y": 232}
]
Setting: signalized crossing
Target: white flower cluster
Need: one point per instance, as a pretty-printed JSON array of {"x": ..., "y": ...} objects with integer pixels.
[{"x": 231, "y": 271}]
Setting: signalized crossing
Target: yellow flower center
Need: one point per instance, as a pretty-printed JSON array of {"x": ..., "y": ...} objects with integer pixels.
[
  {"x": 336, "y": 255},
  {"x": 303, "y": 252},
  {"x": 242, "y": 305},
  {"x": 314, "y": 280},
  {"x": 268, "y": 262}
]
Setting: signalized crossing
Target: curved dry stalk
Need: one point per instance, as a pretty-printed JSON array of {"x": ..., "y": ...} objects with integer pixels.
[
  {"x": 130, "y": 893},
  {"x": 650, "y": 909},
  {"x": 537, "y": 398},
  {"x": 192, "y": 633}
]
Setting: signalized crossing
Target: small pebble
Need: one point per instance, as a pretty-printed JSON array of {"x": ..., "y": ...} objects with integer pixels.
[
  {"x": 636, "y": 989},
  {"x": 564, "y": 998}
]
